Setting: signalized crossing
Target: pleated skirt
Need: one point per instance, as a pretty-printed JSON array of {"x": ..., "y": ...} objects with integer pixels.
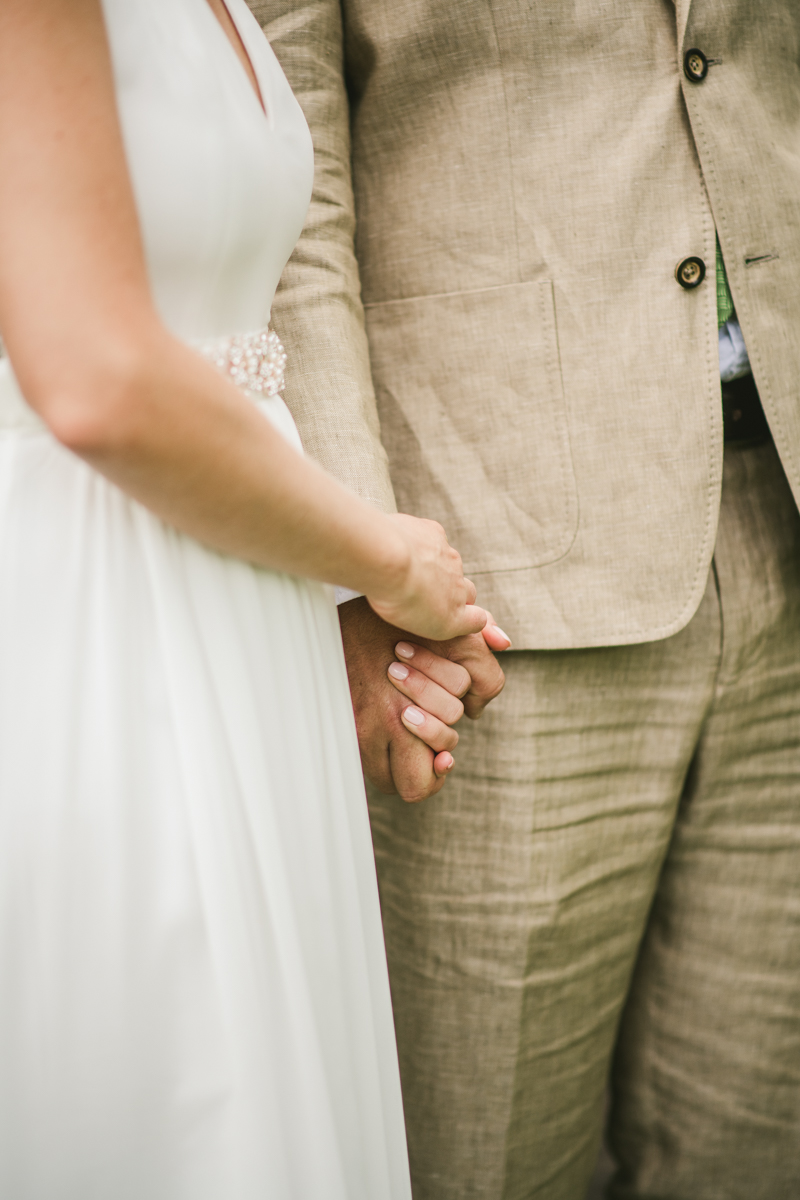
[{"x": 194, "y": 1001}]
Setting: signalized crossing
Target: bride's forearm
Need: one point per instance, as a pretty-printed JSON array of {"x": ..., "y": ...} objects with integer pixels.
[
  {"x": 77, "y": 318},
  {"x": 88, "y": 350},
  {"x": 177, "y": 436}
]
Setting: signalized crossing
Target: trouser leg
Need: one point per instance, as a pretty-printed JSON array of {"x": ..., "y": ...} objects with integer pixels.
[
  {"x": 707, "y": 1076},
  {"x": 515, "y": 902}
]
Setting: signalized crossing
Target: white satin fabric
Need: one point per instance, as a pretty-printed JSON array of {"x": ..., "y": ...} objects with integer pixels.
[{"x": 194, "y": 1002}]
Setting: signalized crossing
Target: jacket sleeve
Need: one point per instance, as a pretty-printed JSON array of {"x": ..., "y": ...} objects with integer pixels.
[{"x": 317, "y": 312}]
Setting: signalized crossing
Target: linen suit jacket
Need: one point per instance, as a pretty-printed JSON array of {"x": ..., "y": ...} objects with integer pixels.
[{"x": 526, "y": 175}]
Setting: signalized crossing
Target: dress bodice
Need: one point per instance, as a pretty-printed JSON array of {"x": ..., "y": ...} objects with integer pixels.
[{"x": 222, "y": 187}]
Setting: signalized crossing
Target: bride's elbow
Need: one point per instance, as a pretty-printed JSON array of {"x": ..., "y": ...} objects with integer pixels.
[
  {"x": 83, "y": 422},
  {"x": 94, "y": 409}
]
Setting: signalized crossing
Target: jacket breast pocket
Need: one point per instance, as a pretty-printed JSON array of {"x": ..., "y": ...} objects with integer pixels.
[{"x": 474, "y": 420}]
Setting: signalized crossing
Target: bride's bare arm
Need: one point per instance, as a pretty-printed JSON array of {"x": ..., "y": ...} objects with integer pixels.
[{"x": 94, "y": 360}]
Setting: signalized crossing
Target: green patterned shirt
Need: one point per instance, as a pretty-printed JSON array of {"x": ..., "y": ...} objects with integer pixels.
[{"x": 724, "y": 298}]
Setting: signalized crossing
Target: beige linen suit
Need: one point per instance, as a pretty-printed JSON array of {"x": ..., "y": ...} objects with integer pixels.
[{"x": 483, "y": 322}]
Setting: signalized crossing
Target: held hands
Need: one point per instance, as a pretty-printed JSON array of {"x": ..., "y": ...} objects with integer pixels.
[
  {"x": 407, "y": 694},
  {"x": 431, "y": 597},
  {"x": 443, "y": 689},
  {"x": 447, "y": 670}
]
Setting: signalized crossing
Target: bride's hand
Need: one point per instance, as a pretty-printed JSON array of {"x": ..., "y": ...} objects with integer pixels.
[{"x": 432, "y": 598}]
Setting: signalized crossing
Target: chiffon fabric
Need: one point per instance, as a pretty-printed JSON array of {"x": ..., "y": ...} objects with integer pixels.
[{"x": 194, "y": 1002}]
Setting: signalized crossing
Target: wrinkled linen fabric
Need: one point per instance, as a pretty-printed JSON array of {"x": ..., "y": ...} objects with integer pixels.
[
  {"x": 522, "y": 181},
  {"x": 617, "y": 857}
]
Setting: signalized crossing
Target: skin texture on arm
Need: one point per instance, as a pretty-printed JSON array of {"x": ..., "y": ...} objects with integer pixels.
[{"x": 117, "y": 389}]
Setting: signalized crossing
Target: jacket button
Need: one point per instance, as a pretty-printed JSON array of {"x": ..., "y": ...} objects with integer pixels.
[
  {"x": 695, "y": 66},
  {"x": 690, "y": 272}
]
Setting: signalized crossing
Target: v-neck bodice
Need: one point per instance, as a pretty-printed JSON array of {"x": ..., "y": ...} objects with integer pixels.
[{"x": 222, "y": 186}]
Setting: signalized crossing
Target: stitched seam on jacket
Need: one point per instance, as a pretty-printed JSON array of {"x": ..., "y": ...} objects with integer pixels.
[
  {"x": 512, "y": 172},
  {"x": 566, "y": 464},
  {"x": 496, "y": 287}
]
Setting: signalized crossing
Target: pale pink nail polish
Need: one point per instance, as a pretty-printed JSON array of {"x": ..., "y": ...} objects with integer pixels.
[
  {"x": 414, "y": 716},
  {"x": 502, "y": 634},
  {"x": 404, "y": 650},
  {"x": 398, "y": 671}
]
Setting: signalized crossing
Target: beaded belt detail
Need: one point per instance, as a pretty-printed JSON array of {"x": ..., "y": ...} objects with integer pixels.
[{"x": 253, "y": 361}]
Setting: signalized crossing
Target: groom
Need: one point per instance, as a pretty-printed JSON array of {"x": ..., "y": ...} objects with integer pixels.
[{"x": 614, "y": 869}]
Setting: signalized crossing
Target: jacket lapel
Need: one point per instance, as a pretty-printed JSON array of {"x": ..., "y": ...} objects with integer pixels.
[{"x": 682, "y": 8}]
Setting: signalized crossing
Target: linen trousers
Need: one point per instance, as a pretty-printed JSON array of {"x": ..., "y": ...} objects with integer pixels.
[{"x": 616, "y": 863}]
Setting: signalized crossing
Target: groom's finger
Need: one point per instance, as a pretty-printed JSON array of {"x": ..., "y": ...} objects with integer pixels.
[
  {"x": 394, "y": 759},
  {"x": 411, "y": 765},
  {"x": 443, "y": 764},
  {"x": 486, "y": 675}
]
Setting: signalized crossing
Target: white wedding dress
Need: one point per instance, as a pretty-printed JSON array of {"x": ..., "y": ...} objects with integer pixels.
[{"x": 194, "y": 1002}]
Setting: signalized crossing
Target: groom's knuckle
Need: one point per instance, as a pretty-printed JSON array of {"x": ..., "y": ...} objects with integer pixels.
[
  {"x": 448, "y": 740},
  {"x": 418, "y": 790},
  {"x": 498, "y": 684},
  {"x": 462, "y": 681},
  {"x": 490, "y": 683}
]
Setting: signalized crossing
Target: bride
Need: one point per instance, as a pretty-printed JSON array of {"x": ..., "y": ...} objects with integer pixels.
[{"x": 193, "y": 994}]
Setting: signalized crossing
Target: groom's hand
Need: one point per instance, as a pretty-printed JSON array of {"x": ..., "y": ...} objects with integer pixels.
[{"x": 406, "y": 748}]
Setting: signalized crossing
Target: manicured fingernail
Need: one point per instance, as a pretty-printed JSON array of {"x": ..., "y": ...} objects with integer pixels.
[
  {"x": 398, "y": 671},
  {"x": 502, "y": 634},
  {"x": 404, "y": 650},
  {"x": 414, "y": 716},
  {"x": 449, "y": 764}
]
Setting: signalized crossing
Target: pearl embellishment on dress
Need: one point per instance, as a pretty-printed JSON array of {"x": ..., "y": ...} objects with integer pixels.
[{"x": 255, "y": 362}]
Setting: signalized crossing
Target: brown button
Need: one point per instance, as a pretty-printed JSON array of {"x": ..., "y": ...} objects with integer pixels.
[
  {"x": 690, "y": 272},
  {"x": 695, "y": 66}
]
